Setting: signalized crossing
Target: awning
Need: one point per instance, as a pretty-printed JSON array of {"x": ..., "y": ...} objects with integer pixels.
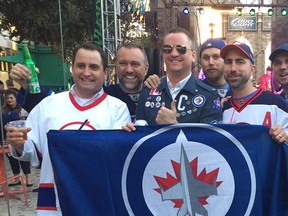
[{"x": 13, "y": 58}]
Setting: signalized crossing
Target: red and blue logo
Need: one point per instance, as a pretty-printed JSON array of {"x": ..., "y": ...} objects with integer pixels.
[{"x": 187, "y": 175}]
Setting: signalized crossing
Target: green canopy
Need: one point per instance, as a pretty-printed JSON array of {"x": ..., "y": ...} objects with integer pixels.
[{"x": 49, "y": 64}]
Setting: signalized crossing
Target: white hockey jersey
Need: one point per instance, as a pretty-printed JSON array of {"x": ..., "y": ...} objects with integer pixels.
[
  {"x": 263, "y": 108},
  {"x": 60, "y": 112}
]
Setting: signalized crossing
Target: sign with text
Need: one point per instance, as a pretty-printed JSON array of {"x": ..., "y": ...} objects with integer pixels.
[
  {"x": 266, "y": 24},
  {"x": 242, "y": 23}
]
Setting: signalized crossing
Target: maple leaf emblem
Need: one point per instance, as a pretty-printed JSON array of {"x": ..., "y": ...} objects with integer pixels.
[{"x": 204, "y": 178}]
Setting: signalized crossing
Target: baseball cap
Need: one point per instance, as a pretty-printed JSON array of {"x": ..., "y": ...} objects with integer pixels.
[
  {"x": 244, "y": 48},
  {"x": 212, "y": 43},
  {"x": 279, "y": 49}
]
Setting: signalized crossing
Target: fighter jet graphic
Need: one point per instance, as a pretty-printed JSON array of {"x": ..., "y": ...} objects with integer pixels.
[{"x": 189, "y": 190}]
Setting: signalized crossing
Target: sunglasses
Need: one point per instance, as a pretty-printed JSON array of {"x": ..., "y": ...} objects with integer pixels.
[{"x": 167, "y": 48}]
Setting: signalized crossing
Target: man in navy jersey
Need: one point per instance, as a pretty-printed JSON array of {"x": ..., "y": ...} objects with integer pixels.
[
  {"x": 249, "y": 105},
  {"x": 279, "y": 59},
  {"x": 131, "y": 68},
  {"x": 180, "y": 97}
]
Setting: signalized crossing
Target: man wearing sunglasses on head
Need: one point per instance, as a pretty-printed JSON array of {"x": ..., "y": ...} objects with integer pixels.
[{"x": 180, "y": 97}]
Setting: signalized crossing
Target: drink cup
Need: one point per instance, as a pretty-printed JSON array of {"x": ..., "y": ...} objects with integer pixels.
[{"x": 21, "y": 127}]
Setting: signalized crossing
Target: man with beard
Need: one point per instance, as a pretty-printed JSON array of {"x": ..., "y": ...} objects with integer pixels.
[
  {"x": 131, "y": 68},
  {"x": 212, "y": 67},
  {"x": 249, "y": 105},
  {"x": 279, "y": 58}
]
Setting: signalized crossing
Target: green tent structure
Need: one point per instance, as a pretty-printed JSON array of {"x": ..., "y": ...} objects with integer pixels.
[{"x": 52, "y": 69}]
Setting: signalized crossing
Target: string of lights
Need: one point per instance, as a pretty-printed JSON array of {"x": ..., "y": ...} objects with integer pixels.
[
  {"x": 221, "y": 4},
  {"x": 252, "y": 12},
  {"x": 270, "y": 12},
  {"x": 186, "y": 10},
  {"x": 224, "y": 4}
]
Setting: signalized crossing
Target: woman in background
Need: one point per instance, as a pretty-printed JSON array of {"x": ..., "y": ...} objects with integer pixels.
[{"x": 12, "y": 111}]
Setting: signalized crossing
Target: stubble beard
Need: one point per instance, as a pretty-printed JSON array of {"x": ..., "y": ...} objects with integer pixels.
[
  {"x": 212, "y": 78},
  {"x": 240, "y": 83}
]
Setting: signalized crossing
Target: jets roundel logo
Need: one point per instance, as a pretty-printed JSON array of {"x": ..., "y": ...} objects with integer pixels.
[
  {"x": 78, "y": 125},
  {"x": 198, "y": 100},
  {"x": 184, "y": 175}
]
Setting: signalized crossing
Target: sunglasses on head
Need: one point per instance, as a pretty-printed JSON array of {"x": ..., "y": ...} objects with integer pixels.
[{"x": 167, "y": 48}]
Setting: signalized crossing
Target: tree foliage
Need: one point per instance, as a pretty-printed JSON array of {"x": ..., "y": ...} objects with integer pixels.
[
  {"x": 38, "y": 21},
  {"x": 132, "y": 18}
]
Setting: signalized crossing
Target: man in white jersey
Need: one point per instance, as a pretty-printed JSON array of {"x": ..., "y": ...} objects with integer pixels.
[
  {"x": 85, "y": 106},
  {"x": 249, "y": 105}
]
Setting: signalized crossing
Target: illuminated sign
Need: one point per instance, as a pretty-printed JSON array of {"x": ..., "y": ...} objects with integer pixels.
[{"x": 242, "y": 24}]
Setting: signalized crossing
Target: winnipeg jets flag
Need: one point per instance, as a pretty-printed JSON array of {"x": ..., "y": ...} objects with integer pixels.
[{"x": 174, "y": 170}]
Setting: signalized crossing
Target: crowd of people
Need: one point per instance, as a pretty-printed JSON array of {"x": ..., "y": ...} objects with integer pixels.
[{"x": 227, "y": 95}]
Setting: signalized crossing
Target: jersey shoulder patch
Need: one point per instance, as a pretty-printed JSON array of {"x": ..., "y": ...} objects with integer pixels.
[{"x": 206, "y": 87}]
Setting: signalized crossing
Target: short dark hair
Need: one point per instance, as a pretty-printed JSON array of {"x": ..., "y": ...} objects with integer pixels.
[
  {"x": 92, "y": 47},
  {"x": 1, "y": 82},
  {"x": 181, "y": 30},
  {"x": 9, "y": 82},
  {"x": 131, "y": 45}
]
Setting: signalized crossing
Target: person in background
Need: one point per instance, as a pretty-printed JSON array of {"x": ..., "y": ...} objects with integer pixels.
[
  {"x": 131, "y": 68},
  {"x": 212, "y": 67},
  {"x": 21, "y": 74},
  {"x": 12, "y": 111},
  {"x": 264, "y": 81},
  {"x": 279, "y": 59},
  {"x": 180, "y": 97},
  {"x": 85, "y": 106},
  {"x": 249, "y": 105},
  {"x": 2, "y": 97},
  {"x": 10, "y": 85}
]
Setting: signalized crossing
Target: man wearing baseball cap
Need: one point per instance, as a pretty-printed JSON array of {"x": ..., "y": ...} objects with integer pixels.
[
  {"x": 249, "y": 105},
  {"x": 279, "y": 59},
  {"x": 212, "y": 66}
]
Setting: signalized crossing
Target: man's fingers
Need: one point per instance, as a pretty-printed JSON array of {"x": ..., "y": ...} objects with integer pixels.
[
  {"x": 152, "y": 81},
  {"x": 147, "y": 84},
  {"x": 173, "y": 105},
  {"x": 129, "y": 127},
  {"x": 19, "y": 72}
]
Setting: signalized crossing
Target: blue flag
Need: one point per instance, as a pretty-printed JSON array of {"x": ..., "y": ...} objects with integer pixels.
[{"x": 184, "y": 169}]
